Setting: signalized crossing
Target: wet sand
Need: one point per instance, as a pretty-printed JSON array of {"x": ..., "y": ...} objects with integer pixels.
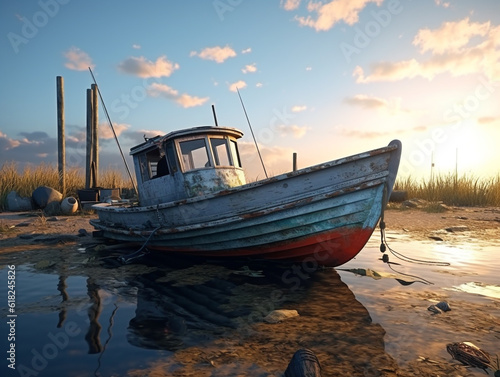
[{"x": 331, "y": 321}]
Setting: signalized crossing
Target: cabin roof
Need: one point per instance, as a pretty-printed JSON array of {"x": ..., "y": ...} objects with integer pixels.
[{"x": 201, "y": 130}]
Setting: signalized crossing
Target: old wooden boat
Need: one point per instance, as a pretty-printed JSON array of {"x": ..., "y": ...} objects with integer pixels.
[{"x": 193, "y": 198}]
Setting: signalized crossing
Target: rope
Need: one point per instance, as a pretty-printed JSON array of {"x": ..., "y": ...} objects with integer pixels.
[
  {"x": 384, "y": 246},
  {"x": 136, "y": 254}
]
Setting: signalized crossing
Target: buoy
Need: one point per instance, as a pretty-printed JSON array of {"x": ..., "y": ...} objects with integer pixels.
[{"x": 69, "y": 205}]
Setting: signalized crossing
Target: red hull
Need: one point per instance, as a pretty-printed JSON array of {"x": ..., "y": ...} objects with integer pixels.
[{"x": 327, "y": 249}]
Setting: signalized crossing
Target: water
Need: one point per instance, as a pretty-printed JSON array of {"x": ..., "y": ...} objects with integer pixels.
[
  {"x": 83, "y": 314},
  {"x": 470, "y": 284}
]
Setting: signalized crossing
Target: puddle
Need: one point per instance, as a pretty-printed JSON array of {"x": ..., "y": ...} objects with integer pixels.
[{"x": 492, "y": 291}]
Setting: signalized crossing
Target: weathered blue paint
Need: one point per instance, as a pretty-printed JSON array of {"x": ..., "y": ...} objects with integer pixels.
[{"x": 333, "y": 207}]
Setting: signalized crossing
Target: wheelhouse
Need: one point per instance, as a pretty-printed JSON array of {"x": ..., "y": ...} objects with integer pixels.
[{"x": 187, "y": 163}]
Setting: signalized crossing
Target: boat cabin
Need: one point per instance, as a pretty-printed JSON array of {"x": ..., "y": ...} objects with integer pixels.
[{"x": 187, "y": 163}]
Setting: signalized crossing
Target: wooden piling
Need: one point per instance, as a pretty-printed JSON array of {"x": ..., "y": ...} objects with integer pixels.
[
  {"x": 88, "y": 160},
  {"x": 61, "y": 145},
  {"x": 95, "y": 134},
  {"x": 294, "y": 161}
]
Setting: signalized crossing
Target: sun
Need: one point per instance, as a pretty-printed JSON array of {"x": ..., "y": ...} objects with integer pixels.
[{"x": 463, "y": 151}]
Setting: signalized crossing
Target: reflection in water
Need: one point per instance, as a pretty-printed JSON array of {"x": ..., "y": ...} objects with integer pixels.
[
  {"x": 94, "y": 311},
  {"x": 492, "y": 291},
  {"x": 168, "y": 316},
  {"x": 61, "y": 287}
]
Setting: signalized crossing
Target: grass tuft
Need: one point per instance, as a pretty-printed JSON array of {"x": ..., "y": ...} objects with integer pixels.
[{"x": 465, "y": 191}]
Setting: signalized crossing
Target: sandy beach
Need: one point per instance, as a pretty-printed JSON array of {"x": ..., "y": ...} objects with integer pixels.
[{"x": 339, "y": 330}]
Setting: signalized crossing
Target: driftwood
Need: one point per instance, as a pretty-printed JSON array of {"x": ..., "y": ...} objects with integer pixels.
[{"x": 304, "y": 363}]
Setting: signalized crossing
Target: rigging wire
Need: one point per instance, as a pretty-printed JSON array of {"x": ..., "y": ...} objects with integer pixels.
[
  {"x": 254, "y": 139},
  {"x": 114, "y": 133}
]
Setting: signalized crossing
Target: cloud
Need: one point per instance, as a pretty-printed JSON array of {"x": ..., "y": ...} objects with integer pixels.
[
  {"x": 298, "y": 108},
  {"x": 217, "y": 53},
  {"x": 162, "y": 90},
  {"x": 247, "y": 50},
  {"x": 366, "y": 102},
  {"x": 489, "y": 121},
  {"x": 450, "y": 37},
  {"x": 277, "y": 159},
  {"x": 165, "y": 91},
  {"x": 457, "y": 48},
  {"x": 237, "y": 85},
  {"x": 250, "y": 68},
  {"x": 442, "y": 3},
  {"x": 290, "y": 4},
  {"x": 292, "y": 130},
  {"x": 7, "y": 143},
  {"x": 185, "y": 100},
  {"x": 392, "y": 106},
  {"x": 141, "y": 67},
  {"x": 332, "y": 12},
  {"x": 105, "y": 131},
  {"x": 77, "y": 60},
  {"x": 372, "y": 134},
  {"x": 136, "y": 46}
]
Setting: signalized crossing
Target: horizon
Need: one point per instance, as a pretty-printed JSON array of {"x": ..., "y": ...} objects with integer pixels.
[{"x": 323, "y": 80}]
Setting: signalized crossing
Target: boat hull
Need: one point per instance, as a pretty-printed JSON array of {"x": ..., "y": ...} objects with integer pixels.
[{"x": 322, "y": 215}]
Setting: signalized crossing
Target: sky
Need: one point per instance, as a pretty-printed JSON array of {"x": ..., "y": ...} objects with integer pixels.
[{"x": 323, "y": 79}]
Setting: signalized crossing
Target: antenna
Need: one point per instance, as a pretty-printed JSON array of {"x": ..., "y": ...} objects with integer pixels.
[
  {"x": 254, "y": 140},
  {"x": 215, "y": 116}
]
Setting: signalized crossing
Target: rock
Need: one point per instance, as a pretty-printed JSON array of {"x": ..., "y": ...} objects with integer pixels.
[
  {"x": 439, "y": 308},
  {"x": 457, "y": 228},
  {"x": 69, "y": 205},
  {"x": 280, "y": 315},
  {"x": 52, "y": 209},
  {"x": 444, "y": 306},
  {"x": 16, "y": 203},
  {"x": 43, "y": 195},
  {"x": 44, "y": 264},
  {"x": 434, "y": 309},
  {"x": 398, "y": 196},
  {"x": 304, "y": 363},
  {"x": 82, "y": 233},
  {"x": 436, "y": 238}
]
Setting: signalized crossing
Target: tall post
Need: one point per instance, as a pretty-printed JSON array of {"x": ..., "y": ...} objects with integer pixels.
[
  {"x": 88, "y": 160},
  {"x": 95, "y": 134},
  {"x": 294, "y": 165},
  {"x": 61, "y": 150}
]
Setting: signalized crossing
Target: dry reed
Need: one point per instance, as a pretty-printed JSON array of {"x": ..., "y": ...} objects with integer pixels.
[{"x": 47, "y": 175}]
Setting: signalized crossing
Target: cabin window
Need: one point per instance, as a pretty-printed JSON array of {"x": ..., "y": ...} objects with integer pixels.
[
  {"x": 153, "y": 165},
  {"x": 221, "y": 153},
  {"x": 172, "y": 160},
  {"x": 194, "y": 154},
  {"x": 234, "y": 154}
]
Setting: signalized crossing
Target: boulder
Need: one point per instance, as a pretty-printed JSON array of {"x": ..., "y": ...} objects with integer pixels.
[
  {"x": 16, "y": 203},
  {"x": 280, "y": 315},
  {"x": 44, "y": 195},
  {"x": 52, "y": 209}
]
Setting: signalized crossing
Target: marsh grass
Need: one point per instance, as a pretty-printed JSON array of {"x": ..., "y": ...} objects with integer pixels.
[
  {"x": 465, "y": 190},
  {"x": 25, "y": 182}
]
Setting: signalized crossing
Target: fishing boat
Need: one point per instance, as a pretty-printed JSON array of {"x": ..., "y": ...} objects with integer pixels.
[{"x": 193, "y": 199}]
